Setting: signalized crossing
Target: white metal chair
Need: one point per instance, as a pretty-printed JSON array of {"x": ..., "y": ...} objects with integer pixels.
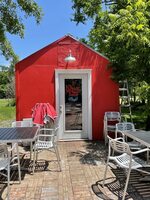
[
  {"x": 27, "y": 122},
  {"x": 127, "y": 126},
  {"x": 110, "y": 120},
  {"x": 124, "y": 160},
  {"x": 46, "y": 140},
  {"x": 7, "y": 160},
  {"x": 24, "y": 123}
]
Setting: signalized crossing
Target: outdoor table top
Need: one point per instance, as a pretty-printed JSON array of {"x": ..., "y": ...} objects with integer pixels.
[
  {"x": 140, "y": 135},
  {"x": 18, "y": 134}
]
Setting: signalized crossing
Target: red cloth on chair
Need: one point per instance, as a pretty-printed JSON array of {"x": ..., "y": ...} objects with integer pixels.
[{"x": 41, "y": 111}]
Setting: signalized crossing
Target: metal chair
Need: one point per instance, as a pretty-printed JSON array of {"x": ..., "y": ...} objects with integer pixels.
[
  {"x": 127, "y": 126},
  {"x": 7, "y": 160},
  {"x": 27, "y": 122},
  {"x": 110, "y": 120},
  {"x": 124, "y": 160},
  {"x": 46, "y": 140}
]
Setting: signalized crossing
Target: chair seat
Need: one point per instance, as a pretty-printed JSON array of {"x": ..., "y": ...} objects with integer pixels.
[
  {"x": 134, "y": 145},
  {"x": 4, "y": 163},
  {"x": 46, "y": 140},
  {"x": 123, "y": 161},
  {"x": 43, "y": 145}
]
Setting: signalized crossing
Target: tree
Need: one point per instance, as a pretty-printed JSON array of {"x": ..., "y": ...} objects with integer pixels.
[
  {"x": 4, "y": 80},
  {"x": 11, "y": 21},
  {"x": 122, "y": 32}
]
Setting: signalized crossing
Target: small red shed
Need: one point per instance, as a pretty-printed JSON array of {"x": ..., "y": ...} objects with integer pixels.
[{"x": 81, "y": 90}]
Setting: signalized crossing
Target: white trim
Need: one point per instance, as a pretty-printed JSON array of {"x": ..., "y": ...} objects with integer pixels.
[{"x": 87, "y": 72}]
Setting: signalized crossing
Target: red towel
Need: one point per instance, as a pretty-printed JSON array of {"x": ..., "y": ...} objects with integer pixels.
[{"x": 42, "y": 110}]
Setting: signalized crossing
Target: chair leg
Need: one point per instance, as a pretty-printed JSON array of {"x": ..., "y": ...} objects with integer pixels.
[
  {"x": 58, "y": 156},
  {"x": 34, "y": 155},
  {"x": 18, "y": 160},
  {"x": 105, "y": 137},
  {"x": 31, "y": 150},
  {"x": 105, "y": 173},
  {"x": 8, "y": 182},
  {"x": 126, "y": 185}
]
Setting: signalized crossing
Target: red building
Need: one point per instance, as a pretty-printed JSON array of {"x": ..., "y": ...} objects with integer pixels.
[{"x": 45, "y": 76}]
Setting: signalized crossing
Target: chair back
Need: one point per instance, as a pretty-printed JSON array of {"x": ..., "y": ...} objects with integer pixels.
[
  {"x": 28, "y": 120},
  {"x": 24, "y": 123},
  {"x": 124, "y": 126},
  {"x": 112, "y": 116},
  {"x": 3, "y": 151},
  {"x": 119, "y": 146},
  {"x": 16, "y": 124},
  {"x": 46, "y": 134}
]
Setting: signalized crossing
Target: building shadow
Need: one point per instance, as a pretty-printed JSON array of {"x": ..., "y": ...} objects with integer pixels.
[{"x": 94, "y": 153}]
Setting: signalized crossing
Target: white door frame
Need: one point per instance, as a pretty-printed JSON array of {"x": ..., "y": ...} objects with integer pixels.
[{"x": 59, "y": 72}]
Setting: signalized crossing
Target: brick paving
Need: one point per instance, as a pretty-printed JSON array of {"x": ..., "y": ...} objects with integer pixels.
[{"x": 83, "y": 164}]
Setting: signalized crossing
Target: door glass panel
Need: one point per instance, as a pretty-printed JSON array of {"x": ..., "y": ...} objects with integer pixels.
[{"x": 73, "y": 104}]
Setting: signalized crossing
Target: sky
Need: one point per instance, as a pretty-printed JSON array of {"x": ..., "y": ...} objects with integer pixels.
[{"x": 55, "y": 23}]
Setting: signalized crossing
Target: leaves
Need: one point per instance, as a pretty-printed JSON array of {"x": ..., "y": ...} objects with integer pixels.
[
  {"x": 122, "y": 33},
  {"x": 84, "y": 9},
  {"x": 11, "y": 21}
]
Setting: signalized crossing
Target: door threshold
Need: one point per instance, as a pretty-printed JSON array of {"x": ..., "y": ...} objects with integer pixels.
[{"x": 71, "y": 140}]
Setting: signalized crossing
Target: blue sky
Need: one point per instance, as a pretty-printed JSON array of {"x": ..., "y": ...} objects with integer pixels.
[{"x": 55, "y": 24}]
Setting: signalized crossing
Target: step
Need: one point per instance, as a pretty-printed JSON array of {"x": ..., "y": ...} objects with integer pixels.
[
  {"x": 123, "y": 89},
  {"x": 125, "y": 106},
  {"x": 125, "y": 97}
]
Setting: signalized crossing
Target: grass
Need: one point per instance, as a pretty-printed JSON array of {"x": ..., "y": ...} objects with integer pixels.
[{"x": 7, "y": 112}]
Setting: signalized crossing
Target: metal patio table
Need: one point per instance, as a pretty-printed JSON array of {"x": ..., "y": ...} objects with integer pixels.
[
  {"x": 19, "y": 134},
  {"x": 141, "y": 136}
]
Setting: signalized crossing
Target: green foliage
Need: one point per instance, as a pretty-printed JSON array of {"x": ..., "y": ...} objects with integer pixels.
[
  {"x": 11, "y": 12},
  {"x": 6, "y": 112},
  {"x": 122, "y": 33},
  {"x": 139, "y": 117},
  {"x": 7, "y": 84},
  {"x": 85, "y": 9},
  {"x": 4, "y": 79},
  {"x": 143, "y": 91}
]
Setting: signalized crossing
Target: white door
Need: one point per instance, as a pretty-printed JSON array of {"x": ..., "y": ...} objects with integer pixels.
[{"x": 73, "y": 99}]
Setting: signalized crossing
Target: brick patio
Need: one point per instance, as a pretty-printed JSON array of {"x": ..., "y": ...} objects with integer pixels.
[{"x": 83, "y": 164}]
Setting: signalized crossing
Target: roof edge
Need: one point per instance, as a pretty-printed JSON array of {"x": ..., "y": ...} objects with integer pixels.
[
  {"x": 58, "y": 40},
  {"x": 86, "y": 46}
]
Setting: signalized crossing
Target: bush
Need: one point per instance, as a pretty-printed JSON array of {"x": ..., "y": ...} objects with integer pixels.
[{"x": 11, "y": 102}]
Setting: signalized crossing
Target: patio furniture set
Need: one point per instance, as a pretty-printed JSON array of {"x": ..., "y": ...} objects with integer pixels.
[
  {"x": 119, "y": 149},
  {"x": 123, "y": 152},
  {"x": 24, "y": 132}
]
